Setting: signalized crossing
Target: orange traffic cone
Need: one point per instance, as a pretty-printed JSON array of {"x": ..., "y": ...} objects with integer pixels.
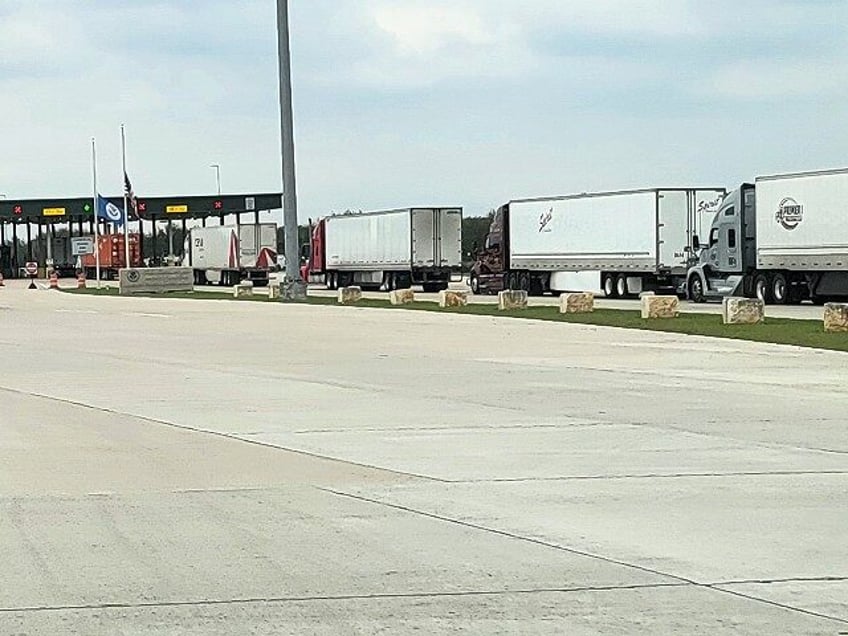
[
  {"x": 81, "y": 280},
  {"x": 54, "y": 280}
]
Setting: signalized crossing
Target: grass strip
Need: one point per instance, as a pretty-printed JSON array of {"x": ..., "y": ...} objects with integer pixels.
[{"x": 802, "y": 333}]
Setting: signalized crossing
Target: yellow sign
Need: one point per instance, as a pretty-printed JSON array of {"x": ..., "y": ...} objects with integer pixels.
[
  {"x": 54, "y": 211},
  {"x": 176, "y": 209}
]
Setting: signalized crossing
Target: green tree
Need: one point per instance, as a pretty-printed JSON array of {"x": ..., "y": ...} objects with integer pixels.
[{"x": 474, "y": 231}]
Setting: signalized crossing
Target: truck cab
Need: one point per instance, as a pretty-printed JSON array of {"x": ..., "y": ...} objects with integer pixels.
[
  {"x": 488, "y": 273},
  {"x": 727, "y": 262}
]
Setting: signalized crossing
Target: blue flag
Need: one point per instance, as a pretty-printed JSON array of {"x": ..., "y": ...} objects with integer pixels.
[{"x": 109, "y": 212}]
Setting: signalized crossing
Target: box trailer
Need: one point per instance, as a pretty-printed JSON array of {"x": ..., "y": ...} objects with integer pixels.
[
  {"x": 229, "y": 254},
  {"x": 783, "y": 239},
  {"x": 112, "y": 256},
  {"x": 633, "y": 241},
  {"x": 392, "y": 249}
]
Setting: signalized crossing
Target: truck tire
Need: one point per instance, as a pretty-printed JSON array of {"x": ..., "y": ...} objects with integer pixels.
[
  {"x": 608, "y": 284},
  {"x": 780, "y": 290},
  {"x": 621, "y": 286},
  {"x": 762, "y": 289},
  {"x": 524, "y": 282},
  {"x": 695, "y": 287}
]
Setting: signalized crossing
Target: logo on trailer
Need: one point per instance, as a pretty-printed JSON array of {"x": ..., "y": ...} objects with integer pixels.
[
  {"x": 545, "y": 221},
  {"x": 790, "y": 213},
  {"x": 710, "y": 206}
]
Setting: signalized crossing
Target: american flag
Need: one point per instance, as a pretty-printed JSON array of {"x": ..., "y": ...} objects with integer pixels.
[{"x": 128, "y": 191}]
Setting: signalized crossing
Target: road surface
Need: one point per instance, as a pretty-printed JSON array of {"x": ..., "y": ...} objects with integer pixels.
[{"x": 205, "y": 467}]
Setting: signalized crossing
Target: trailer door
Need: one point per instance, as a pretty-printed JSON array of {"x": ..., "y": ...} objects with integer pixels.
[
  {"x": 424, "y": 238},
  {"x": 248, "y": 245},
  {"x": 450, "y": 237},
  {"x": 672, "y": 229}
]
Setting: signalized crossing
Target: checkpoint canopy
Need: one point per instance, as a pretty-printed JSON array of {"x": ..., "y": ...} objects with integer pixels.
[{"x": 149, "y": 208}]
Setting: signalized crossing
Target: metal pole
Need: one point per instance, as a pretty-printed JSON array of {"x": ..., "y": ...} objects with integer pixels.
[
  {"x": 287, "y": 137},
  {"x": 126, "y": 215},
  {"x": 96, "y": 203},
  {"x": 217, "y": 176}
]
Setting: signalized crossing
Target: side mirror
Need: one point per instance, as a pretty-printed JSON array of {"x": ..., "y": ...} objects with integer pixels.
[{"x": 696, "y": 242}]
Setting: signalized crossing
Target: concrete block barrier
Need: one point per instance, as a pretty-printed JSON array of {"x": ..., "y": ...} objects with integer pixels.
[
  {"x": 401, "y": 297},
  {"x": 452, "y": 299},
  {"x": 836, "y": 317},
  {"x": 742, "y": 311},
  {"x": 274, "y": 292},
  {"x": 660, "y": 307},
  {"x": 243, "y": 290},
  {"x": 583, "y": 303},
  {"x": 350, "y": 295},
  {"x": 512, "y": 300}
]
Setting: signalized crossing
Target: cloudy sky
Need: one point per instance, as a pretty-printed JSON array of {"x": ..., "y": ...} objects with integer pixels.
[{"x": 409, "y": 102}]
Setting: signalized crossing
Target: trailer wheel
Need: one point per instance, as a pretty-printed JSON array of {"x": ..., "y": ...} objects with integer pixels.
[
  {"x": 762, "y": 289},
  {"x": 621, "y": 286},
  {"x": 524, "y": 282},
  {"x": 696, "y": 289},
  {"x": 779, "y": 289},
  {"x": 608, "y": 283}
]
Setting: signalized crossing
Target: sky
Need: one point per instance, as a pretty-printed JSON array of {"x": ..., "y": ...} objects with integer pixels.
[{"x": 421, "y": 102}]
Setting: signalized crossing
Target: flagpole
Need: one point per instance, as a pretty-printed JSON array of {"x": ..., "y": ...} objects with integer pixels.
[
  {"x": 126, "y": 216},
  {"x": 96, "y": 209}
]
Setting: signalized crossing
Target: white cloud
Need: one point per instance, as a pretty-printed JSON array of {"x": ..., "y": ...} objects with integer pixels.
[{"x": 769, "y": 79}]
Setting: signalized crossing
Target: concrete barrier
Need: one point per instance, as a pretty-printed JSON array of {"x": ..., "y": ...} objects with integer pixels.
[
  {"x": 401, "y": 297},
  {"x": 836, "y": 317},
  {"x": 577, "y": 303},
  {"x": 274, "y": 292},
  {"x": 742, "y": 311},
  {"x": 508, "y": 300},
  {"x": 452, "y": 299},
  {"x": 243, "y": 290},
  {"x": 660, "y": 306},
  {"x": 350, "y": 295},
  {"x": 155, "y": 280}
]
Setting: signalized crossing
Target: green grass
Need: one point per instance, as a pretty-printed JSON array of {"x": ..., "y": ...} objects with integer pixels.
[{"x": 802, "y": 333}]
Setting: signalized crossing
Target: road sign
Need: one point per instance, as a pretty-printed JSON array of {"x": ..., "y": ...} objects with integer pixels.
[
  {"x": 31, "y": 269},
  {"x": 82, "y": 245},
  {"x": 176, "y": 209}
]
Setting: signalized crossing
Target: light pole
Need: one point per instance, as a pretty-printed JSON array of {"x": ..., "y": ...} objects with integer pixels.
[
  {"x": 217, "y": 168},
  {"x": 287, "y": 138}
]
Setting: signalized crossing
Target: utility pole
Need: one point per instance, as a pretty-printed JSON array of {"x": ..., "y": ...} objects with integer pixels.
[{"x": 287, "y": 130}]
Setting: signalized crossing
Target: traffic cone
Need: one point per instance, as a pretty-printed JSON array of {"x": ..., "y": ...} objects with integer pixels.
[
  {"x": 81, "y": 280},
  {"x": 54, "y": 281}
]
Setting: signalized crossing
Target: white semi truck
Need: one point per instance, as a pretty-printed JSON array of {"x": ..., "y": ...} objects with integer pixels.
[
  {"x": 783, "y": 239},
  {"x": 633, "y": 241},
  {"x": 392, "y": 249},
  {"x": 229, "y": 254}
]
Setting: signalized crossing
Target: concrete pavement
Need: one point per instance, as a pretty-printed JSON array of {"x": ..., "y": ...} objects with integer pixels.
[{"x": 206, "y": 467}]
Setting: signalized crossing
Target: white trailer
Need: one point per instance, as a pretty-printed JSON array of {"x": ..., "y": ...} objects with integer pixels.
[
  {"x": 229, "y": 254},
  {"x": 389, "y": 249},
  {"x": 783, "y": 239},
  {"x": 632, "y": 240}
]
